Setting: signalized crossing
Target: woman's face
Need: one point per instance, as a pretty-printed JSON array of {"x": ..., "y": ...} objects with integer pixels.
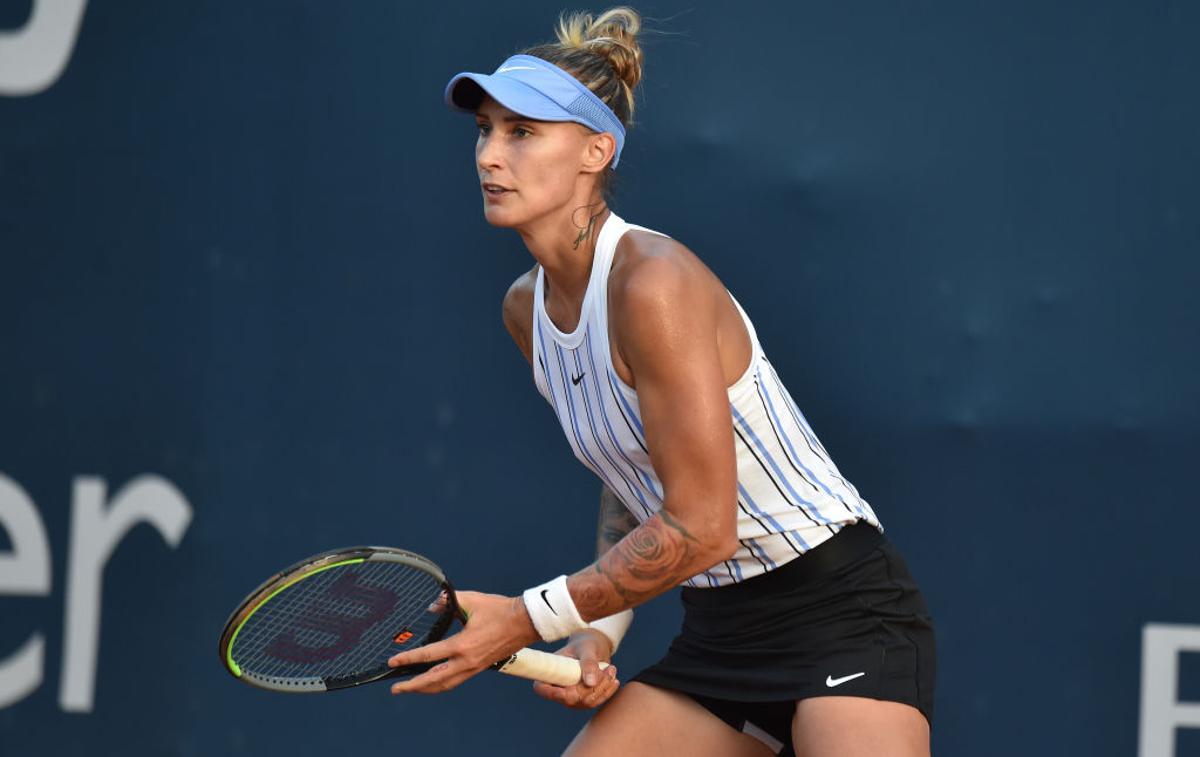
[{"x": 528, "y": 169}]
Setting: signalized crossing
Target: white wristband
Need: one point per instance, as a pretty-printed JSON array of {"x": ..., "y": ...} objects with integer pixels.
[
  {"x": 614, "y": 627},
  {"x": 552, "y": 610}
]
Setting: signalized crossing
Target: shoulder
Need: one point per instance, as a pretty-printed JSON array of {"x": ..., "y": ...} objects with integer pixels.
[
  {"x": 655, "y": 273},
  {"x": 518, "y": 300},
  {"x": 517, "y": 309}
]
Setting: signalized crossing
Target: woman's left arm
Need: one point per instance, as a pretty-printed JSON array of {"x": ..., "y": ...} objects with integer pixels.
[
  {"x": 664, "y": 308},
  {"x": 664, "y": 312}
]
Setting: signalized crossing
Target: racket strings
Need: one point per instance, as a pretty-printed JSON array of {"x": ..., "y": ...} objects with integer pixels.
[{"x": 339, "y": 622}]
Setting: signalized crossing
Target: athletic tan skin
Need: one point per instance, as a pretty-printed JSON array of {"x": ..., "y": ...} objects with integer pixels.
[{"x": 676, "y": 336}]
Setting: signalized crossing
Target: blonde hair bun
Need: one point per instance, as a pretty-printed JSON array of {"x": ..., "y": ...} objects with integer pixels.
[{"x": 612, "y": 34}]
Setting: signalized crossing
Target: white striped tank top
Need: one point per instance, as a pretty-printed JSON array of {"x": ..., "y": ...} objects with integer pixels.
[{"x": 791, "y": 497}]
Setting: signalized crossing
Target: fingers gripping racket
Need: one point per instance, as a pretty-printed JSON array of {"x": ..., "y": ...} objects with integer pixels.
[{"x": 333, "y": 620}]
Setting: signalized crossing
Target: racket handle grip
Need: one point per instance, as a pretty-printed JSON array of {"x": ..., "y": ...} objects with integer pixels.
[{"x": 543, "y": 666}]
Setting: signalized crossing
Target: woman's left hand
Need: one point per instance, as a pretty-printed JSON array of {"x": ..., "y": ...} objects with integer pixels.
[
  {"x": 496, "y": 627},
  {"x": 596, "y": 686}
]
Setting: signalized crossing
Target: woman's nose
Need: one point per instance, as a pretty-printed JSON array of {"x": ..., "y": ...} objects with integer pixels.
[{"x": 487, "y": 153}]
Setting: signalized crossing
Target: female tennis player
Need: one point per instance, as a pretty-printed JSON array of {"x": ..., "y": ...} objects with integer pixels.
[{"x": 803, "y": 632}]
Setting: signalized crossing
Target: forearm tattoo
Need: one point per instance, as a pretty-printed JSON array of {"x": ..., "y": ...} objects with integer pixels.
[
  {"x": 652, "y": 558},
  {"x": 615, "y": 521}
]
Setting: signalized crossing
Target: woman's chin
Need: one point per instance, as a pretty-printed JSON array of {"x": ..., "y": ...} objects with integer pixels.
[{"x": 499, "y": 217}]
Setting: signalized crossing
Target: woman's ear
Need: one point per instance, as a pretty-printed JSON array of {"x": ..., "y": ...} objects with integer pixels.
[{"x": 599, "y": 152}]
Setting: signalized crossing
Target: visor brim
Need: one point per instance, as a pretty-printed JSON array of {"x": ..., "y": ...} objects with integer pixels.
[{"x": 466, "y": 91}]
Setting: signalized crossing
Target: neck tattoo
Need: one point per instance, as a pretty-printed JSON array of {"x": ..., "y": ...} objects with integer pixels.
[{"x": 586, "y": 231}]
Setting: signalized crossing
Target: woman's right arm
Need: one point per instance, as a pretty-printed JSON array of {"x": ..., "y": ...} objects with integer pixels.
[
  {"x": 590, "y": 646},
  {"x": 518, "y": 312},
  {"x": 615, "y": 521}
]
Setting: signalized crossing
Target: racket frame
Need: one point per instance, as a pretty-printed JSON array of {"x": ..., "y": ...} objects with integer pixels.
[
  {"x": 532, "y": 664},
  {"x": 308, "y": 567}
]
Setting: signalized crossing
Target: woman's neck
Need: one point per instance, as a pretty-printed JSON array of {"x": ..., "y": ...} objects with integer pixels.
[{"x": 565, "y": 251}]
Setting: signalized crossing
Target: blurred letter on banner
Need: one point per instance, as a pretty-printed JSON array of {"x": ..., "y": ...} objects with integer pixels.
[
  {"x": 95, "y": 533},
  {"x": 25, "y": 570},
  {"x": 1161, "y": 712},
  {"x": 34, "y": 56}
]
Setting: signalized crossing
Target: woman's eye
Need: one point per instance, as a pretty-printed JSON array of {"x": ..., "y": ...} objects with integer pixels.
[
  {"x": 521, "y": 131},
  {"x": 484, "y": 129}
]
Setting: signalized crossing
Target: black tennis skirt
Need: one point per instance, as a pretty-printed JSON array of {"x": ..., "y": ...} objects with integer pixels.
[{"x": 844, "y": 619}]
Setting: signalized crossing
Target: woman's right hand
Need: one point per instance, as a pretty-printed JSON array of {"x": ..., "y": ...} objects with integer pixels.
[{"x": 597, "y": 686}]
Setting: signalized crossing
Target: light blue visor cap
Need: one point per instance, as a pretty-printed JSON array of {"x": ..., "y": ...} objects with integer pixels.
[{"x": 538, "y": 90}]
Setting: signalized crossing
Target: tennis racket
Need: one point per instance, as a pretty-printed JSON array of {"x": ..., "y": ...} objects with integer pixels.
[{"x": 332, "y": 621}]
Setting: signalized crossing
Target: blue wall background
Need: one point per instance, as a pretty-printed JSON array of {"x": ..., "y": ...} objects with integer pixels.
[{"x": 241, "y": 247}]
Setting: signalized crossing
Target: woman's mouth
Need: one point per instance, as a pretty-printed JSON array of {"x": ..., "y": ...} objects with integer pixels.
[{"x": 494, "y": 190}]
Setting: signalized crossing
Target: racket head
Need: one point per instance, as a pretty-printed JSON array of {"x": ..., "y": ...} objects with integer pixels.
[{"x": 331, "y": 621}]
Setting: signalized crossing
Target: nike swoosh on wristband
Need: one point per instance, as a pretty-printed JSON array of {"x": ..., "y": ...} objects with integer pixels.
[
  {"x": 548, "y": 602},
  {"x": 830, "y": 681}
]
